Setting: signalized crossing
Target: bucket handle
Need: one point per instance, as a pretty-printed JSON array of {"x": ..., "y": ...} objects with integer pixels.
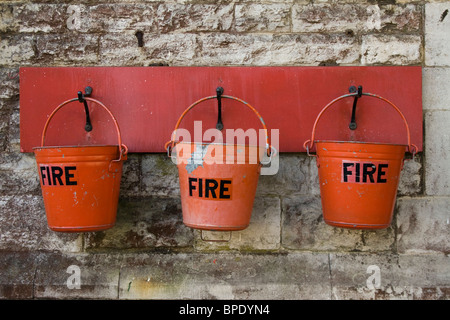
[
  {"x": 308, "y": 144},
  {"x": 171, "y": 144},
  {"x": 123, "y": 148}
]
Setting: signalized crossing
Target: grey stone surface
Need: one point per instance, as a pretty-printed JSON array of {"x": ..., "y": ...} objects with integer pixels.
[
  {"x": 159, "y": 176},
  {"x": 18, "y": 174},
  {"x": 391, "y": 49},
  {"x": 436, "y": 95},
  {"x": 354, "y": 17},
  {"x": 277, "y": 49},
  {"x": 130, "y": 182},
  {"x": 9, "y": 86},
  {"x": 437, "y": 156},
  {"x": 17, "y": 275},
  {"x": 263, "y": 233},
  {"x": 168, "y": 48},
  {"x": 255, "y": 17},
  {"x": 23, "y": 226},
  {"x": 225, "y": 276},
  {"x": 77, "y": 276},
  {"x": 411, "y": 181},
  {"x": 303, "y": 228},
  {"x": 423, "y": 225},
  {"x": 437, "y": 24},
  {"x": 389, "y": 277},
  {"x": 144, "y": 224},
  {"x": 297, "y": 173}
]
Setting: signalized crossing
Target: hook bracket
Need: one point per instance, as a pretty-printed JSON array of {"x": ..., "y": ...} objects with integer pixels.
[
  {"x": 219, "y": 92},
  {"x": 87, "y": 93},
  {"x": 352, "y": 89}
]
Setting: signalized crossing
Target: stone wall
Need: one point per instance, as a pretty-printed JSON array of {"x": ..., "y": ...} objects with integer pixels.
[{"x": 288, "y": 252}]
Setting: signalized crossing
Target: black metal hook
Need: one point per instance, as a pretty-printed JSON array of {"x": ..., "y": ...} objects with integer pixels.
[
  {"x": 87, "y": 93},
  {"x": 219, "y": 92},
  {"x": 353, "y": 89}
]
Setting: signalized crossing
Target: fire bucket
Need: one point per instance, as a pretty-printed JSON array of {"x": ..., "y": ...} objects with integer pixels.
[
  {"x": 80, "y": 184},
  {"x": 217, "y": 181},
  {"x": 359, "y": 180}
]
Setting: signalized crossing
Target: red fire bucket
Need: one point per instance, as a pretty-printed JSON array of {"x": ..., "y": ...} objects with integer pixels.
[
  {"x": 359, "y": 180},
  {"x": 80, "y": 184}
]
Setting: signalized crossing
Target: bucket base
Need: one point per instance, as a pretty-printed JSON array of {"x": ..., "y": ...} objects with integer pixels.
[
  {"x": 216, "y": 228},
  {"x": 356, "y": 225},
  {"x": 82, "y": 229}
]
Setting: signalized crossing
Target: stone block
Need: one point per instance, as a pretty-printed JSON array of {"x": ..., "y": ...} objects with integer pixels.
[
  {"x": 296, "y": 174},
  {"x": 66, "y": 49},
  {"x": 411, "y": 177},
  {"x": 7, "y": 20},
  {"x": 123, "y": 49},
  {"x": 159, "y": 176},
  {"x": 262, "y": 17},
  {"x": 435, "y": 94},
  {"x": 423, "y": 225},
  {"x": 225, "y": 276},
  {"x": 23, "y": 226},
  {"x": 13, "y": 138},
  {"x": 277, "y": 49},
  {"x": 303, "y": 228},
  {"x": 437, "y": 37},
  {"x": 77, "y": 276},
  {"x": 130, "y": 183},
  {"x": 19, "y": 175},
  {"x": 437, "y": 155},
  {"x": 16, "y": 50},
  {"x": 144, "y": 223},
  {"x": 117, "y": 17},
  {"x": 263, "y": 233},
  {"x": 196, "y": 17},
  {"x": 17, "y": 275},
  {"x": 389, "y": 277},
  {"x": 4, "y": 126},
  {"x": 35, "y": 17},
  {"x": 355, "y": 18},
  {"x": 391, "y": 49},
  {"x": 9, "y": 86}
]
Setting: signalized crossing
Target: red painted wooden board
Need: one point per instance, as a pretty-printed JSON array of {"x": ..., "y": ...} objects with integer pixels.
[{"x": 147, "y": 102}]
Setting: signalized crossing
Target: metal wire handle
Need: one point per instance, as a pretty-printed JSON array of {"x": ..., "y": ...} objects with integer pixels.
[
  {"x": 123, "y": 148},
  {"x": 308, "y": 144},
  {"x": 171, "y": 144}
]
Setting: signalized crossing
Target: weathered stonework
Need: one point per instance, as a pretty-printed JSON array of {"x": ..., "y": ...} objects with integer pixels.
[
  {"x": 225, "y": 276},
  {"x": 355, "y": 18},
  {"x": 23, "y": 226},
  {"x": 423, "y": 225},
  {"x": 391, "y": 50},
  {"x": 400, "y": 277},
  {"x": 437, "y": 23},
  {"x": 437, "y": 140},
  {"x": 144, "y": 224},
  {"x": 288, "y": 251}
]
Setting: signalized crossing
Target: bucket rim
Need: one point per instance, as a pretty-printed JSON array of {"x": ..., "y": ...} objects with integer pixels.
[
  {"x": 362, "y": 142},
  {"x": 73, "y": 147}
]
